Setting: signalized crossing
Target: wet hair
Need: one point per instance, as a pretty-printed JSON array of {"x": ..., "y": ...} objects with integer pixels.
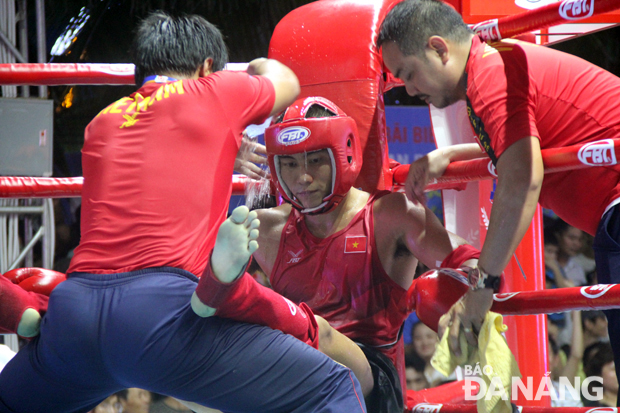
[
  {"x": 314, "y": 111},
  {"x": 412, "y": 22},
  {"x": 176, "y": 44}
]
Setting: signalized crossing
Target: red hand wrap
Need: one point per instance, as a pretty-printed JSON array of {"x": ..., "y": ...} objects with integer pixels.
[
  {"x": 246, "y": 300},
  {"x": 461, "y": 254},
  {"x": 210, "y": 290}
]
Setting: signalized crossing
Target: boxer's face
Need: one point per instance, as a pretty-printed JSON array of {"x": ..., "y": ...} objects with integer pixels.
[
  {"x": 308, "y": 176},
  {"x": 431, "y": 78}
]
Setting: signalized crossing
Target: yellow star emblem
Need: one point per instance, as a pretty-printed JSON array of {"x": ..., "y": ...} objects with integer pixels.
[
  {"x": 131, "y": 120},
  {"x": 355, "y": 244}
]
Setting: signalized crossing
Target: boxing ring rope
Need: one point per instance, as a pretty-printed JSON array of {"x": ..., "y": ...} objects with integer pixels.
[
  {"x": 592, "y": 154},
  {"x": 567, "y": 11}
]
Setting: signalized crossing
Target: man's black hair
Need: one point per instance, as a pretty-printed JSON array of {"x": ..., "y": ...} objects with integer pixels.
[
  {"x": 166, "y": 44},
  {"x": 412, "y": 22}
]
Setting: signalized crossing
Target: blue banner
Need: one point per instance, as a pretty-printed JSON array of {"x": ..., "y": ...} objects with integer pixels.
[{"x": 410, "y": 136}]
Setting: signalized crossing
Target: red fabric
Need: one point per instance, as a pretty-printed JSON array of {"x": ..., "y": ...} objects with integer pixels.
[
  {"x": 350, "y": 290},
  {"x": 248, "y": 301},
  {"x": 157, "y": 172},
  {"x": 520, "y": 90},
  {"x": 14, "y": 300},
  {"x": 212, "y": 291},
  {"x": 458, "y": 256}
]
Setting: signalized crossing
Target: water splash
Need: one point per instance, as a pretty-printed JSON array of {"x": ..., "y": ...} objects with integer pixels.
[{"x": 257, "y": 192}]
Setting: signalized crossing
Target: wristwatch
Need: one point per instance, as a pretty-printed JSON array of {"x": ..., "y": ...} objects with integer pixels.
[{"x": 478, "y": 279}]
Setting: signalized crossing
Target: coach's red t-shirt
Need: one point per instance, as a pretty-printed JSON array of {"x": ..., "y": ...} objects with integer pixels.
[
  {"x": 157, "y": 172},
  {"x": 518, "y": 89}
]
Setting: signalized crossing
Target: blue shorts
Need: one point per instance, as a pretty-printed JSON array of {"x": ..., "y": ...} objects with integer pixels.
[
  {"x": 606, "y": 247},
  {"x": 104, "y": 333}
]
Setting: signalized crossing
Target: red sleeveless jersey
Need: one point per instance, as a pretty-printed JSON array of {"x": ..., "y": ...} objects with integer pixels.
[{"x": 342, "y": 280}]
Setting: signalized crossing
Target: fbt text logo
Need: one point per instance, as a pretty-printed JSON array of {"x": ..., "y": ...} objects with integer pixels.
[
  {"x": 596, "y": 291},
  {"x": 488, "y": 30},
  {"x": 576, "y": 9},
  {"x": 598, "y": 153},
  {"x": 427, "y": 408},
  {"x": 476, "y": 388},
  {"x": 293, "y": 135},
  {"x": 295, "y": 256}
]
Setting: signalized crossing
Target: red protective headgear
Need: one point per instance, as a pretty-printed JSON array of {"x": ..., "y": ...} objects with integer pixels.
[{"x": 297, "y": 134}]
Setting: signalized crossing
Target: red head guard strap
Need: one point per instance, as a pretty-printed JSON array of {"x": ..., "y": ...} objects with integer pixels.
[{"x": 297, "y": 134}]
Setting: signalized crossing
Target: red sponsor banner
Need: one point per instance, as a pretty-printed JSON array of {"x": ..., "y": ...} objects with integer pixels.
[{"x": 355, "y": 244}]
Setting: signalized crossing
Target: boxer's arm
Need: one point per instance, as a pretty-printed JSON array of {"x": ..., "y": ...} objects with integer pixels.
[
  {"x": 427, "y": 238},
  {"x": 400, "y": 223},
  {"x": 284, "y": 81}
]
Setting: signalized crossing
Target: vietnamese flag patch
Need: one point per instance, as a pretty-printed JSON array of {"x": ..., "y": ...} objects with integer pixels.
[{"x": 355, "y": 244}]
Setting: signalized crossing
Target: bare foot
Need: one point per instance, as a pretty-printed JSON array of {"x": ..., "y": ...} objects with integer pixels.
[{"x": 235, "y": 244}]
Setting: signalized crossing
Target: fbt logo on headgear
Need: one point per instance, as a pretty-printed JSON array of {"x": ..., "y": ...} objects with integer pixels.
[
  {"x": 293, "y": 135},
  {"x": 598, "y": 153}
]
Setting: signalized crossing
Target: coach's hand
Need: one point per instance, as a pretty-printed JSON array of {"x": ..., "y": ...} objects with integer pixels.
[
  {"x": 423, "y": 170},
  {"x": 468, "y": 314},
  {"x": 249, "y": 159}
]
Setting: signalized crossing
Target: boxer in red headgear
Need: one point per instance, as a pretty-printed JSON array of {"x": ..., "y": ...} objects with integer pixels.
[
  {"x": 297, "y": 132},
  {"x": 348, "y": 255}
]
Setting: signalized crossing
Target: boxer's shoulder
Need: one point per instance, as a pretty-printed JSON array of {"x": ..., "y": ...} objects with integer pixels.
[
  {"x": 392, "y": 203},
  {"x": 273, "y": 219}
]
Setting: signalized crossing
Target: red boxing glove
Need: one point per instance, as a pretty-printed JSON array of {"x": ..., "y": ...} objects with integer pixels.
[
  {"x": 37, "y": 280},
  {"x": 433, "y": 293},
  {"x": 21, "y": 289},
  {"x": 42, "y": 281},
  {"x": 20, "y": 274}
]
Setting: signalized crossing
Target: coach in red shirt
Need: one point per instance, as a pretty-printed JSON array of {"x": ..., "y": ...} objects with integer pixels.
[{"x": 521, "y": 98}]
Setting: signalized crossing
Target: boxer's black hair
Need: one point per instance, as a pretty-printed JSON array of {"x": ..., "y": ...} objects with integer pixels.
[
  {"x": 166, "y": 44},
  {"x": 412, "y": 22}
]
